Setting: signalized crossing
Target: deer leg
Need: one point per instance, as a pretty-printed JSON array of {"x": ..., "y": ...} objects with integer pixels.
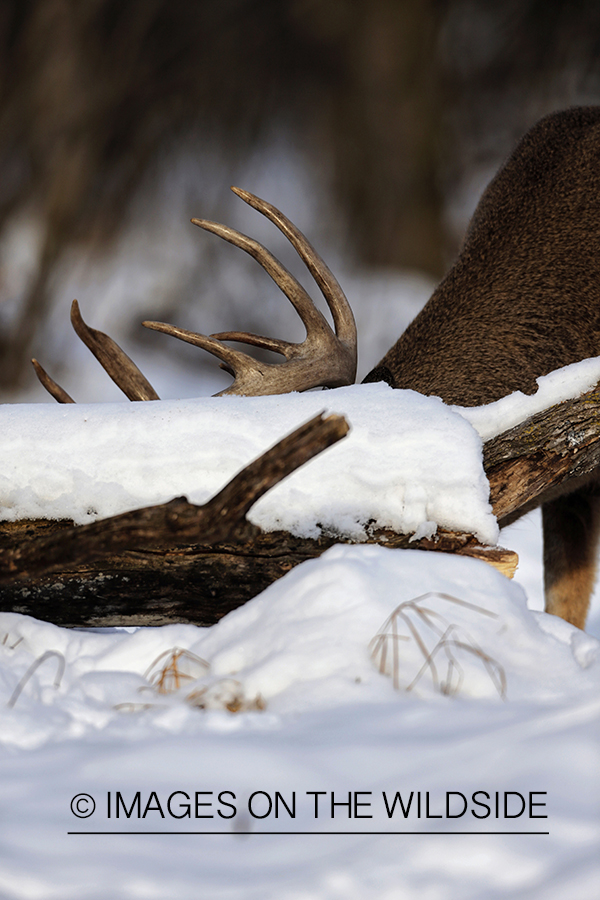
[{"x": 571, "y": 526}]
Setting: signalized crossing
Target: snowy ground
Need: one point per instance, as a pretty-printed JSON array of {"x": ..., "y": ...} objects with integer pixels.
[
  {"x": 224, "y": 749},
  {"x": 314, "y": 715}
]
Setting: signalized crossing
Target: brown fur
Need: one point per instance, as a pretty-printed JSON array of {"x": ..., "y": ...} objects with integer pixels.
[{"x": 523, "y": 299}]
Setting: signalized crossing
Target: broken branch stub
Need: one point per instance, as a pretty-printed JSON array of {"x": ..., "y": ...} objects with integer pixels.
[{"x": 178, "y": 521}]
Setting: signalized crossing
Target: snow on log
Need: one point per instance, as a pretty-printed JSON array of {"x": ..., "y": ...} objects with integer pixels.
[{"x": 181, "y": 562}]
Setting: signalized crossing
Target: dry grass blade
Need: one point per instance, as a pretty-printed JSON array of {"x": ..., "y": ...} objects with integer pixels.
[
  {"x": 379, "y": 647},
  {"x": 226, "y": 693},
  {"x": 60, "y": 670},
  {"x": 5, "y": 641},
  {"x": 176, "y": 668},
  {"x": 434, "y": 636},
  {"x": 451, "y": 685},
  {"x": 129, "y": 707}
]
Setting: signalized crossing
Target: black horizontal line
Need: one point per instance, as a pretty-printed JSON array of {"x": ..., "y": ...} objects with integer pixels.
[{"x": 309, "y": 832}]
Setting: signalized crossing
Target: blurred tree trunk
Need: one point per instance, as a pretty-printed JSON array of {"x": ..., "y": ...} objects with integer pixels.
[
  {"x": 386, "y": 133},
  {"x": 388, "y": 94}
]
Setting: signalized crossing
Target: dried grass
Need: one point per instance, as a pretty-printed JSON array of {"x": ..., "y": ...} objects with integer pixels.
[
  {"x": 5, "y": 641},
  {"x": 171, "y": 671},
  {"x": 178, "y": 667},
  {"x": 435, "y": 637},
  {"x": 227, "y": 693},
  {"x": 60, "y": 671},
  {"x": 175, "y": 668}
]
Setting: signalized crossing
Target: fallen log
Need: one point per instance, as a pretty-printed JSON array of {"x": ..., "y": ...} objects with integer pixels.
[
  {"x": 197, "y": 583},
  {"x": 178, "y": 521},
  {"x": 184, "y": 563},
  {"x": 528, "y": 464}
]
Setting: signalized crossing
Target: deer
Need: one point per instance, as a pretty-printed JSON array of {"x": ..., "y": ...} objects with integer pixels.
[{"x": 521, "y": 300}]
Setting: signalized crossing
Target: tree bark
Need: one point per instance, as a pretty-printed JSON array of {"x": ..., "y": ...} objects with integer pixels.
[
  {"x": 178, "y": 521},
  {"x": 530, "y": 463},
  {"x": 179, "y": 562}
]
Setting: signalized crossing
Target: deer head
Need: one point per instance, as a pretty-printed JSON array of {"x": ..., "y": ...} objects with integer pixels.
[{"x": 523, "y": 297}]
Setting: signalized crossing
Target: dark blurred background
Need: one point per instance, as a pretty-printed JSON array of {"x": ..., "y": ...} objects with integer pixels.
[{"x": 380, "y": 120}]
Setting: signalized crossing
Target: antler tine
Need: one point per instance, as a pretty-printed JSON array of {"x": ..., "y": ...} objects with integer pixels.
[
  {"x": 251, "y": 376},
  {"x": 54, "y": 389},
  {"x": 313, "y": 320},
  {"x": 226, "y": 354},
  {"x": 286, "y": 348},
  {"x": 113, "y": 359},
  {"x": 343, "y": 318},
  {"x": 324, "y": 358}
]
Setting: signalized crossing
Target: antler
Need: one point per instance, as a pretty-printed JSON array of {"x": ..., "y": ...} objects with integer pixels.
[
  {"x": 111, "y": 357},
  {"x": 324, "y": 358}
]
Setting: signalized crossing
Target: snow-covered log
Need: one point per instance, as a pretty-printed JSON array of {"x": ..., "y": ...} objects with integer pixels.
[
  {"x": 528, "y": 463},
  {"x": 148, "y": 567}
]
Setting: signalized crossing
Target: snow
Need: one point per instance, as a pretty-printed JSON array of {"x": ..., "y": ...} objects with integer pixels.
[
  {"x": 409, "y": 463},
  {"x": 314, "y": 714},
  {"x": 360, "y": 674},
  {"x": 563, "y": 384}
]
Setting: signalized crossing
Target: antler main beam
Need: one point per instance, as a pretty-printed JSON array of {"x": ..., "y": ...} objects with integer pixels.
[{"x": 325, "y": 358}]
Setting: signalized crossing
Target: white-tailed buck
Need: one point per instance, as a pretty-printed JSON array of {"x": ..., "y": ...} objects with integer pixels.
[{"x": 522, "y": 299}]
